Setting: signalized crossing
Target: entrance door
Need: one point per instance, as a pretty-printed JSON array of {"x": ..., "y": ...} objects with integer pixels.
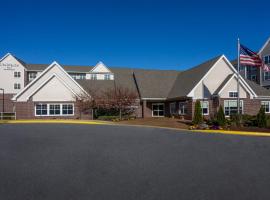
[{"x": 158, "y": 110}]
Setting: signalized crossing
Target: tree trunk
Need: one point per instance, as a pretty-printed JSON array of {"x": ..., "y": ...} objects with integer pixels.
[{"x": 120, "y": 114}]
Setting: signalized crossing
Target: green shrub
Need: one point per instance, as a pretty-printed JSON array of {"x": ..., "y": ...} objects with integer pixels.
[
  {"x": 261, "y": 118},
  {"x": 197, "y": 119},
  {"x": 109, "y": 118},
  {"x": 221, "y": 117},
  {"x": 249, "y": 120},
  {"x": 236, "y": 120}
]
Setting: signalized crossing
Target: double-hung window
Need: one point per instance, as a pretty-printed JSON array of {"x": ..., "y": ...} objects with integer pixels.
[
  {"x": 67, "y": 109},
  {"x": 205, "y": 107},
  {"x": 41, "y": 109},
  {"x": 17, "y": 86},
  {"x": 172, "y": 108},
  {"x": 17, "y": 74},
  {"x": 266, "y": 106},
  {"x": 182, "y": 108},
  {"x": 267, "y": 59},
  {"x": 55, "y": 109},
  {"x": 266, "y": 76},
  {"x": 231, "y": 108}
]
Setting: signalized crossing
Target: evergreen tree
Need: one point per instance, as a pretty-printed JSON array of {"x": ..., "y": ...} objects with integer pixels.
[
  {"x": 221, "y": 117},
  {"x": 197, "y": 119},
  {"x": 261, "y": 118}
]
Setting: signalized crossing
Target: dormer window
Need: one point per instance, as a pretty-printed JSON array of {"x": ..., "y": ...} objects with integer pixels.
[
  {"x": 93, "y": 77},
  {"x": 106, "y": 76}
]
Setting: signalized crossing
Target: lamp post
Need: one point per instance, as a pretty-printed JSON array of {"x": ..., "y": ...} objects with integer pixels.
[{"x": 3, "y": 99}]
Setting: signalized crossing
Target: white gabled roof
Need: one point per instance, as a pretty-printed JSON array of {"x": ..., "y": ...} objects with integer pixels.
[
  {"x": 263, "y": 47},
  {"x": 100, "y": 68},
  {"x": 53, "y": 75}
]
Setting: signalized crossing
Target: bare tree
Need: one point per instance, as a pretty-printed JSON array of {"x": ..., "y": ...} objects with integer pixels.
[
  {"x": 120, "y": 98},
  {"x": 88, "y": 101}
]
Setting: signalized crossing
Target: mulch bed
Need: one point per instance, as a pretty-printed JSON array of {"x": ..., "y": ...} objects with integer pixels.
[
  {"x": 164, "y": 122},
  {"x": 177, "y": 123}
]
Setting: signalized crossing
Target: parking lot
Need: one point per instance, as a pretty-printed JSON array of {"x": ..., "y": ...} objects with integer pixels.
[{"x": 60, "y": 161}]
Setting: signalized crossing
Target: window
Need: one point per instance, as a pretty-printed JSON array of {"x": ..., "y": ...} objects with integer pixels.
[
  {"x": 230, "y": 107},
  {"x": 242, "y": 68},
  {"x": 32, "y": 76},
  {"x": 267, "y": 59},
  {"x": 266, "y": 105},
  {"x": 93, "y": 77},
  {"x": 41, "y": 109},
  {"x": 106, "y": 76},
  {"x": 205, "y": 107},
  {"x": 17, "y": 86},
  {"x": 78, "y": 76},
  {"x": 266, "y": 76},
  {"x": 233, "y": 94},
  {"x": 253, "y": 77},
  {"x": 172, "y": 108},
  {"x": 17, "y": 74},
  {"x": 158, "y": 109},
  {"x": 55, "y": 109},
  {"x": 67, "y": 109},
  {"x": 182, "y": 108}
]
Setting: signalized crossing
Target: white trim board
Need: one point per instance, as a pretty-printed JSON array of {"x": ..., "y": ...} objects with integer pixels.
[
  {"x": 191, "y": 93},
  {"x": 265, "y": 44},
  {"x": 42, "y": 74}
]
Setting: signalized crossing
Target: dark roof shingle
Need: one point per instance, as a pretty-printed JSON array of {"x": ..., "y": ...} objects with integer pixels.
[{"x": 188, "y": 79}]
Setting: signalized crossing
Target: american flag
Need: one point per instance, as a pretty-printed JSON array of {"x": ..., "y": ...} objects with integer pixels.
[{"x": 248, "y": 57}]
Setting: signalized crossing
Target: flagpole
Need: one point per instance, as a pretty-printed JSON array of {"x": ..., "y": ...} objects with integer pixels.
[{"x": 238, "y": 76}]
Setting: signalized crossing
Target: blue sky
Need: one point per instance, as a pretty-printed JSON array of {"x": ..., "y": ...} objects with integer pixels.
[{"x": 144, "y": 34}]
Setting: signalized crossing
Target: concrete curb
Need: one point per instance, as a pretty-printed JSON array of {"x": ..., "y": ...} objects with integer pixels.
[
  {"x": 95, "y": 122},
  {"x": 53, "y": 122}
]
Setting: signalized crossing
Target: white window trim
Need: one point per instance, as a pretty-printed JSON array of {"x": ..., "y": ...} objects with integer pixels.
[
  {"x": 242, "y": 102},
  {"x": 207, "y": 107},
  {"x": 268, "y": 105},
  {"x": 61, "y": 109},
  {"x": 16, "y": 86},
  {"x": 174, "y": 112},
  {"x": 179, "y": 108},
  {"x": 163, "y": 109},
  {"x": 17, "y": 73},
  {"x": 232, "y": 92},
  {"x": 264, "y": 76},
  {"x": 265, "y": 59}
]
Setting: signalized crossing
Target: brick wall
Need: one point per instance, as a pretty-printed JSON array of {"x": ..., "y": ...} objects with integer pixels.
[
  {"x": 8, "y": 104},
  {"x": 26, "y": 110}
]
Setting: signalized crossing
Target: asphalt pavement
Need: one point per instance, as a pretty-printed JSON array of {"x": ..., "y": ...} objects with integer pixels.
[{"x": 77, "y": 162}]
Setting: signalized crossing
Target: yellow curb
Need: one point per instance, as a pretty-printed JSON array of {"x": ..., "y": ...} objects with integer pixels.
[
  {"x": 52, "y": 122},
  {"x": 245, "y": 133},
  {"x": 93, "y": 122}
]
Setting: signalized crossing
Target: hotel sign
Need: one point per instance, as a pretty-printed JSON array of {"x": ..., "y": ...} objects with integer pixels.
[{"x": 8, "y": 66}]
